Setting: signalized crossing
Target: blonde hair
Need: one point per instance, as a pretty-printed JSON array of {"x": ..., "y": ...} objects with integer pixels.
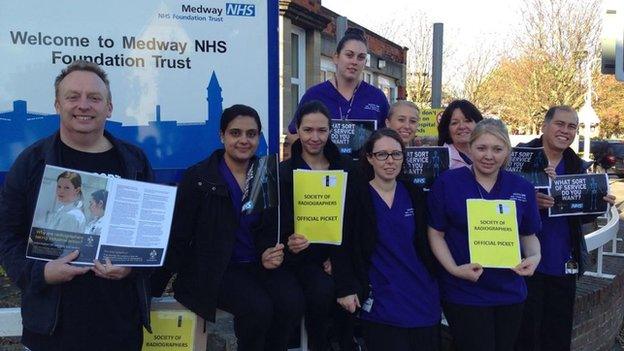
[
  {"x": 405, "y": 103},
  {"x": 494, "y": 127}
]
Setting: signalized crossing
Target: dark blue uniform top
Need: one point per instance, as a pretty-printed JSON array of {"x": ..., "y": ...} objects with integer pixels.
[
  {"x": 244, "y": 249},
  {"x": 555, "y": 240},
  {"x": 367, "y": 103},
  {"x": 447, "y": 213},
  {"x": 403, "y": 292}
]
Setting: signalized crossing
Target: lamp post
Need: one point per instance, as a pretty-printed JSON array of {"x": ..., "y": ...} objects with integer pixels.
[{"x": 587, "y": 115}]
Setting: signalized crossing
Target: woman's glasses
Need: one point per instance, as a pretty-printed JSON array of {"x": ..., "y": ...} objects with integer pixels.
[{"x": 383, "y": 155}]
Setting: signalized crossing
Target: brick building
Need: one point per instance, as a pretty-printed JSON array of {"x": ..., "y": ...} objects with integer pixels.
[{"x": 309, "y": 34}]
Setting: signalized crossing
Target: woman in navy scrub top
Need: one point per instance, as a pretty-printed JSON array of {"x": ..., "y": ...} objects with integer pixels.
[
  {"x": 456, "y": 124},
  {"x": 347, "y": 96},
  {"x": 483, "y": 306},
  {"x": 228, "y": 259},
  {"x": 310, "y": 262},
  {"x": 384, "y": 267}
]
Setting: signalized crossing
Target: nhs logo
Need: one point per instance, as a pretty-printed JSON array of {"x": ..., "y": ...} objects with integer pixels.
[{"x": 233, "y": 9}]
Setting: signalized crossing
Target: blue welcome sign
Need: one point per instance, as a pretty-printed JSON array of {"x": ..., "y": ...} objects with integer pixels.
[{"x": 173, "y": 66}]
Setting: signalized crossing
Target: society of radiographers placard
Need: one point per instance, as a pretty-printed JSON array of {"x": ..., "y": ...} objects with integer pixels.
[{"x": 579, "y": 194}]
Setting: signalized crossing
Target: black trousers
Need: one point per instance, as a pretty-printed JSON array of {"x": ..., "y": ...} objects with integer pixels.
[
  {"x": 267, "y": 305},
  {"x": 548, "y": 313},
  {"x": 320, "y": 298},
  {"x": 383, "y": 337},
  {"x": 475, "y": 328}
]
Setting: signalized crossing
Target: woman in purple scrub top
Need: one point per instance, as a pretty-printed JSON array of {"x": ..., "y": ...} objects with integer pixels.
[
  {"x": 456, "y": 124},
  {"x": 346, "y": 95},
  {"x": 483, "y": 306},
  {"x": 384, "y": 269}
]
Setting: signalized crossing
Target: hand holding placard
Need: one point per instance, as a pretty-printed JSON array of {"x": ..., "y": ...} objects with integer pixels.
[{"x": 468, "y": 271}]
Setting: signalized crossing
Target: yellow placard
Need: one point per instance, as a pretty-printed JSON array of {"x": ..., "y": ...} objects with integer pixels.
[
  {"x": 171, "y": 331},
  {"x": 493, "y": 233},
  {"x": 318, "y": 201},
  {"x": 428, "y": 123}
]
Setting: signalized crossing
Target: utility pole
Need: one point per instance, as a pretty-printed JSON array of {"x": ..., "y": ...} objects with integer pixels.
[{"x": 436, "y": 65}]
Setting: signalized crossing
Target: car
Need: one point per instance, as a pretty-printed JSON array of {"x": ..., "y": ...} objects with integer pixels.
[{"x": 608, "y": 155}]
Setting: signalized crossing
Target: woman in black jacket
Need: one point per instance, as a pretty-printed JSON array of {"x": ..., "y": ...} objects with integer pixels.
[
  {"x": 310, "y": 263},
  {"x": 383, "y": 268},
  {"x": 227, "y": 259}
]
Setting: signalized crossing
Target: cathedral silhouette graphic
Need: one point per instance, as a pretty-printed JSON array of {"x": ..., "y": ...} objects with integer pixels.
[{"x": 170, "y": 146}]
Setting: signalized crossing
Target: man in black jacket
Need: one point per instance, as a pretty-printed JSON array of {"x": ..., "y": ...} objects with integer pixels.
[
  {"x": 67, "y": 307},
  {"x": 549, "y": 308}
]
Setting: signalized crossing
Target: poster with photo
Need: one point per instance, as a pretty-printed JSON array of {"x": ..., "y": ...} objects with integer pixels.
[
  {"x": 102, "y": 217},
  {"x": 261, "y": 185},
  {"x": 425, "y": 163},
  {"x": 579, "y": 194},
  {"x": 529, "y": 163},
  {"x": 350, "y": 135}
]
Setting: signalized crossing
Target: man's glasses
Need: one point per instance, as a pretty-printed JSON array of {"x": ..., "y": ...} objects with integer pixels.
[{"x": 383, "y": 155}]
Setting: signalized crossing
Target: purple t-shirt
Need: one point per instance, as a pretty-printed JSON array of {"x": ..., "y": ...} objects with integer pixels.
[
  {"x": 403, "y": 292},
  {"x": 554, "y": 240},
  {"x": 367, "y": 103},
  {"x": 244, "y": 248},
  {"x": 447, "y": 213}
]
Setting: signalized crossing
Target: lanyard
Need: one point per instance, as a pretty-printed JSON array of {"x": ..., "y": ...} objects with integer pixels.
[{"x": 346, "y": 115}]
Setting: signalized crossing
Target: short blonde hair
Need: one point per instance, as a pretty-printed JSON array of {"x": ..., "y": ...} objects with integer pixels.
[{"x": 494, "y": 127}]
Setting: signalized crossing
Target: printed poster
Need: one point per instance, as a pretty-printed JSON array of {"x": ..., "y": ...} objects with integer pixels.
[
  {"x": 261, "y": 185},
  {"x": 350, "y": 135},
  {"x": 172, "y": 330},
  {"x": 319, "y": 200},
  {"x": 493, "y": 233},
  {"x": 102, "y": 217},
  {"x": 529, "y": 163},
  {"x": 424, "y": 164},
  {"x": 579, "y": 194},
  {"x": 427, "y": 130}
]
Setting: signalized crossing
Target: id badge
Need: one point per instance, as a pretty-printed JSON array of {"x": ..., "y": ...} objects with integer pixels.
[{"x": 571, "y": 267}]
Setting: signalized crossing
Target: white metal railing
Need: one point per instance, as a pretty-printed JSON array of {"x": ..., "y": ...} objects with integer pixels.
[{"x": 597, "y": 239}]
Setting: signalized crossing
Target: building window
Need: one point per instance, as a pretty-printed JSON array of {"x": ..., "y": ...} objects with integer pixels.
[
  {"x": 297, "y": 62},
  {"x": 368, "y": 77}
]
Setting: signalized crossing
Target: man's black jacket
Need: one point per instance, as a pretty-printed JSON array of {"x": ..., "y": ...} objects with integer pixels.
[
  {"x": 40, "y": 301},
  {"x": 573, "y": 165}
]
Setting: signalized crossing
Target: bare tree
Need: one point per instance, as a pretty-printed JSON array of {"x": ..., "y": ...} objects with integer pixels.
[
  {"x": 558, "y": 40},
  {"x": 416, "y": 33}
]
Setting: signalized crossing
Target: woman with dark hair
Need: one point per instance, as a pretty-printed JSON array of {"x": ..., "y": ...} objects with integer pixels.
[
  {"x": 384, "y": 267},
  {"x": 346, "y": 96},
  {"x": 310, "y": 262},
  {"x": 97, "y": 207},
  {"x": 483, "y": 306},
  {"x": 228, "y": 259},
  {"x": 67, "y": 214},
  {"x": 457, "y": 122}
]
